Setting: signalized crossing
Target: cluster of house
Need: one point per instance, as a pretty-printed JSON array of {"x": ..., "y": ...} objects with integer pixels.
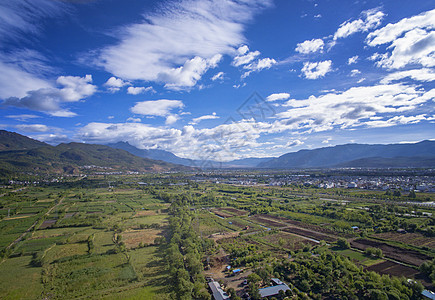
[{"x": 277, "y": 287}]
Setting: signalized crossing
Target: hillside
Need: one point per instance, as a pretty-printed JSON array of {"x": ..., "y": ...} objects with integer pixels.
[
  {"x": 70, "y": 158},
  {"x": 15, "y": 141},
  {"x": 352, "y": 155}
]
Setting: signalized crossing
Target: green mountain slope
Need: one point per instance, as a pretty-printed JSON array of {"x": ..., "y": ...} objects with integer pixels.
[{"x": 72, "y": 157}]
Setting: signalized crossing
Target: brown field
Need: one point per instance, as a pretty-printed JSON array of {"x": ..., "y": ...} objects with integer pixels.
[
  {"x": 47, "y": 223},
  {"x": 221, "y": 213},
  {"x": 19, "y": 217},
  {"x": 144, "y": 213},
  {"x": 133, "y": 238},
  {"x": 405, "y": 255},
  {"x": 287, "y": 240},
  {"x": 394, "y": 269},
  {"x": 234, "y": 211},
  {"x": 267, "y": 221},
  {"x": 311, "y": 234},
  {"x": 415, "y": 239},
  {"x": 223, "y": 235}
]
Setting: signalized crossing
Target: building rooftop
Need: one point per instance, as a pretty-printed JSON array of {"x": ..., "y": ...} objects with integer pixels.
[
  {"x": 218, "y": 293},
  {"x": 273, "y": 290}
]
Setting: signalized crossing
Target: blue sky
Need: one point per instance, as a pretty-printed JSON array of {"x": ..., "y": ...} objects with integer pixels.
[{"x": 218, "y": 79}]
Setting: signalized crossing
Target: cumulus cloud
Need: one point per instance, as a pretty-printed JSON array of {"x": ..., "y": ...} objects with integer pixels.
[
  {"x": 354, "y": 107},
  {"x": 205, "y": 117},
  {"x": 352, "y": 60},
  {"x": 250, "y": 62},
  {"x": 114, "y": 84},
  {"x": 355, "y": 72},
  {"x": 133, "y": 90},
  {"x": 245, "y": 56},
  {"x": 411, "y": 41},
  {"x": 310, "y": 46},
  {"x": 134, "y": 120},
  {"x": 370, "y": 19},
  {"x": 423, "y": 75},
  {"x": 278, "y": 96},
  {"x": 162, "y": 48},
  {"x": 161, "y": 108},
  {"x": 50, "y": 100},
  {"x": 316, "y": 69},
  {"x": 218, "y": 76}
]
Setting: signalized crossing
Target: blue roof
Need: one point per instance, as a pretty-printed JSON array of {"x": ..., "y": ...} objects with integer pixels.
[
  {"x": 236, "y": 270},
  {"x": 428, "y": 294}
]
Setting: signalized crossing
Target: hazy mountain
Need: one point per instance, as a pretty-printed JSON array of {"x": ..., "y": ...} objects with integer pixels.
[
  {"x": 352, "y": 154},
  {"x": 172, "y": 158},
  {"x": 70, "y": 157},
  {"x": 152, "y": 154}
]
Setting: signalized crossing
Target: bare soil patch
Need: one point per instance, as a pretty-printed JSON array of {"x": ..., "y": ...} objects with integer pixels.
[
  {"x": 144, "y": 213},
  {"x": 47, "y": 223},
  {"x": 267, "y": 221},
  {"x": 19, "y": 217},
  {"x": 394, "y": 269},
  {"x": 221, "y": 213},
  {"x": 223, "y": 235},
  {"x": 311, "y": 234},
  {"x": 408, "y": 256},
  {"x": 415, "y": 239},
  {"x": 133, "y": 238},
  {"x": 234, "y": 211}
]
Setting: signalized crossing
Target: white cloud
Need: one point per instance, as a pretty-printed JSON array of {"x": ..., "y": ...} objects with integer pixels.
[
  {"x": 187, "y": 75},
  {"x": 218, "y": 76},
  {"x": 171, "y": 119},
  {"x": 370, "y": 19},
  {"x": 205, "y": 117},
  {"x": 246, "y": 57},
  {"x": 21, "y": 68},
  {"x": 310, "y": 46},
  {"x": 33, "y": 127},
  {"x": 23, "y": 117},
  {"x": 412, "y": 41},
  {"x": 354, "y": 107},
  {"x": 355, "y": 72},
  {"x": 278, "y": 96},
  {"x": 423, "y": 75},
  {"x": 352, "y": 60},
  {"x": 18, "y": 18},
  {"x": 162, "y": 47},
  {"x": 248, "y": 60},
  {"x": 134, "y": 120},
  {"x": 49, "y": 100},
  {"x": 132, "y": 90},
  {"x": 114, "y": 84},
  {"x": 316, "y": 69},
  {"x": 161, "y": 108}
]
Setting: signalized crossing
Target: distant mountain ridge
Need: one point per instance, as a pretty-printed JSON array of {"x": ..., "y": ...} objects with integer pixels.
[
  {"x": 358, "y": 155},
  {"x": 23, "y": 154},
  {"x": 172, "y": 158}
]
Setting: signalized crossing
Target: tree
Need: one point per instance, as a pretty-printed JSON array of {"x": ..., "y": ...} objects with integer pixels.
[{"x": 343, "y": 243}]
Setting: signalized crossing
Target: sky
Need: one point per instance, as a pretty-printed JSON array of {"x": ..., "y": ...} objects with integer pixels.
[{"x": 218, "y": 79}]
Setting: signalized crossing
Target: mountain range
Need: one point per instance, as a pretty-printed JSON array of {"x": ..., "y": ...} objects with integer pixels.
[
  {"x": 420, "y": 154},
  {"x": 19, "y": 153}
]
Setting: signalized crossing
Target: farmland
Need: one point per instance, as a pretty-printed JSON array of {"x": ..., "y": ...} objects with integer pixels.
[{"x": 92, "y": 239}]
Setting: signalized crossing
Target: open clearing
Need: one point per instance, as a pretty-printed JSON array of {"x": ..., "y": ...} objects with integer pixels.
[
  {"x": 415, "y": 239},
  {"x": 405, "y": 255}
]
